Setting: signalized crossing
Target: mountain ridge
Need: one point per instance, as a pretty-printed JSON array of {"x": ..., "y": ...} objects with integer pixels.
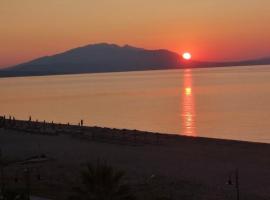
[
  {"x": 101, "y": 57},
  {"x": 105, "y": 57}
]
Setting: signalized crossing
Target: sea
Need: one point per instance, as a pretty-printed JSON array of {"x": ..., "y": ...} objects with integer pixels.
[{"x": 225, "y": 102}]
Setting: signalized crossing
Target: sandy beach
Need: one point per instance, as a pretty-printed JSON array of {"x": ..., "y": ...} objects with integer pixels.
[{"x": 155, "y": 164}]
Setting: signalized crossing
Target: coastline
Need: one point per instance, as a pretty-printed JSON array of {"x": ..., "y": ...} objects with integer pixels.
[
  {"x": 104, "y": 133},
  {"x": 4, "y": 73},
  {"x": 195, "y": 168}
]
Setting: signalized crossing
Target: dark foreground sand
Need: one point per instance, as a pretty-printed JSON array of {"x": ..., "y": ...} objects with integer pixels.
[{"x": 183, "y": 168}]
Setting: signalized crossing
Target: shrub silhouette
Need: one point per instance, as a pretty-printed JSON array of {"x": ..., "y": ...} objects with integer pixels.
[{"x": 102, "y": 182}]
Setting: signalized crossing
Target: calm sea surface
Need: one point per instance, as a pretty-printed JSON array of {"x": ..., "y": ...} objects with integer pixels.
[{"x": 231, "y": 103}]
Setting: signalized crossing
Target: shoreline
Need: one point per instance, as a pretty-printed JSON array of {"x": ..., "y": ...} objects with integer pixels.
[
  {"x": 7, "y": 74},
  {"x": 95, "y": 132}
]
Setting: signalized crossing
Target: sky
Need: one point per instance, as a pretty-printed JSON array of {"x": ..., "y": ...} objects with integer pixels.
[{"x": 208, "y": 29}]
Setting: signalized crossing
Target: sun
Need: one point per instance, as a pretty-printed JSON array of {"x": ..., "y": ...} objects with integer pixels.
[{"x": 186, "y": 56}]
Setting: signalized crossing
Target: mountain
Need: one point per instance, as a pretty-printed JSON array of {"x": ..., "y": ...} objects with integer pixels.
[
  {"x": 199, "y": 64},
  {"x": 105, "y": 57},
  {"x": 99, "y": 58}
]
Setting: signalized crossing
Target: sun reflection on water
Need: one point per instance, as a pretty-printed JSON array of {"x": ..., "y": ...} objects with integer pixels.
[{"x": 188, "y": 105}]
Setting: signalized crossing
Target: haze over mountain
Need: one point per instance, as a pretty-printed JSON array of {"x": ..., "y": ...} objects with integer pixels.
[{"x": 105, "y": 57}]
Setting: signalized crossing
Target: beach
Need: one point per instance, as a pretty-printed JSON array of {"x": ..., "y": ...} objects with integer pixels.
[{"x": 177, "y": 166}]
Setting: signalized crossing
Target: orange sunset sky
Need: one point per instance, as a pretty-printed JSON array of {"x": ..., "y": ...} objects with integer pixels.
[{"x": 209, "y": 29}]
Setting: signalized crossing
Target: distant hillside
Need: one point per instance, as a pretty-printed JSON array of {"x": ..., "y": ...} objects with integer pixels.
[
  {"x": 199, "y": 64},
  {"x": 105, "y": 57},
  {"x": 99, "y": 58}
]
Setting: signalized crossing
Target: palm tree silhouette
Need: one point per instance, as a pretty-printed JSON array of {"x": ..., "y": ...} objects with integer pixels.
[{"x": 102, "y": 182}]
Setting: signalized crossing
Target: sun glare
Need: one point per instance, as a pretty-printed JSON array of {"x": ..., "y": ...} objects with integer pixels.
[
  {"x": 188, "y": 91},
  {"x": 186, "y": 56}
]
